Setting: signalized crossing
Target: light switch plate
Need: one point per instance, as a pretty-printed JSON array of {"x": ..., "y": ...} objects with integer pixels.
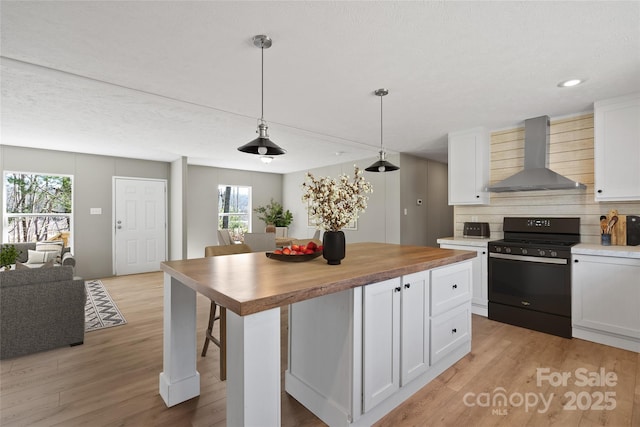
[{"x": 95, "y": 211}]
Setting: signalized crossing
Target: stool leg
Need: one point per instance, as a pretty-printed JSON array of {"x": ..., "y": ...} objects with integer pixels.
[
  {"x": 209, "y": 333},
  {"x": 223, "y": 343}
]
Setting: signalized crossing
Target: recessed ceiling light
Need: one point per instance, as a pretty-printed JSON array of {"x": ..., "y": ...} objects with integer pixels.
[{"x": 570, "y": 83}]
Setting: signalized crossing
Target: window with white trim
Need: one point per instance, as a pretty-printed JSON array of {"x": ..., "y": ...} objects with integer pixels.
[
  {"x": 37, "y": 207},
  {"x": 234, "y": 208}
]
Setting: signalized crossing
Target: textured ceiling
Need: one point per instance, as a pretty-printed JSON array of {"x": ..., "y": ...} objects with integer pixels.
[{"x": 162, "y": 79}]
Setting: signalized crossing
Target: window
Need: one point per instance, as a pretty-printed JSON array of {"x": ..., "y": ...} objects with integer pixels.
[
  {"x": 234, "y": 208},
  {"x": 37, "y": 207}
]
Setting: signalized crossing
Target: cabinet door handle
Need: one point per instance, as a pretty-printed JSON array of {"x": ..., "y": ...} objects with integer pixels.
[
  {"x": 484, "y": 253},
  {"x": 525, "y": 303},
  {"x": 454, "y": 330},
  {"x": 599, "y": 191},
  {"x": 408, "y": 285},
  {"x": 575, "y": 260},
  {"x": 477, "y": 196},
  {"x": 455, "y": 286},
  {"x": 398, "y": 289}
]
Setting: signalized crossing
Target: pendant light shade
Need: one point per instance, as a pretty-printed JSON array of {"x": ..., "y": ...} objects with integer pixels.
[
  {"x": 382, "y": 165},
  {"x": 262, "y": 145}
]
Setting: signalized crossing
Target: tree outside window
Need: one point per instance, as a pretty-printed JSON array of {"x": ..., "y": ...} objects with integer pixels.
[
  {"x": 37, "y": 207},
  {"x": 234, "y": 208}
]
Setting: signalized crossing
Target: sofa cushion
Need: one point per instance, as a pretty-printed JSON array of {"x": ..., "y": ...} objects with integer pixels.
[{"x": 13, "y": 278}]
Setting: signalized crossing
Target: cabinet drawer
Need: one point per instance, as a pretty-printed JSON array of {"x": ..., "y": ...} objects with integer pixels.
[
  {"x": 450, "y": 287},
  {"x": 449, "y": 331}
]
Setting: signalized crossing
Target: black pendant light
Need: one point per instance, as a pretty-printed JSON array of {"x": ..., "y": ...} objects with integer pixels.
[
  {"x": 382, "y": 165},
  {"x": 262, "y": 145}
]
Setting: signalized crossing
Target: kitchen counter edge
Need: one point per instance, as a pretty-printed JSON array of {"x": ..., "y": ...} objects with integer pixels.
[
  {"x": 480, "y": 242},
  {"x": 612, "y": 251}
]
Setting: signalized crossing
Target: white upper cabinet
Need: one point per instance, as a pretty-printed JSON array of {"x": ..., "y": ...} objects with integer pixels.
[
  {"x": 617, "y": 148},
  {"x": 469, "y": 167}
]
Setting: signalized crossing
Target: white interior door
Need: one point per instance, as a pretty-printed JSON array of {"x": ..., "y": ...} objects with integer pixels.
[{"x": 140, "y": 226}]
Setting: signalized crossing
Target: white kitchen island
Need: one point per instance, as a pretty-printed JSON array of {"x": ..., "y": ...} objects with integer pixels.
[{"x": 364, "y": 313}]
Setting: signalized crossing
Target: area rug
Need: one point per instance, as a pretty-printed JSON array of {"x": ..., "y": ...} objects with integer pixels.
[{"x": 100, "y": 311}]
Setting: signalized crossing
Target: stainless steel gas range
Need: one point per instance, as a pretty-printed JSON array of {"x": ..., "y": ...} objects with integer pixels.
[{"x": 530, "y": 273}]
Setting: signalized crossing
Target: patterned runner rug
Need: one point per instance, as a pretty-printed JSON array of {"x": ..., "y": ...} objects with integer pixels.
[{"x": 100, "y": 311}]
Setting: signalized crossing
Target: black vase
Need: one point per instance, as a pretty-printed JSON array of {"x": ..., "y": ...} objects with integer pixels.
[{"x": 333, "y": 247}]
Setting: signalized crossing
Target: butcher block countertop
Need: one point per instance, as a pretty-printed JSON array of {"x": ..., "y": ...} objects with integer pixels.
[{"x": 250, "y": 283}]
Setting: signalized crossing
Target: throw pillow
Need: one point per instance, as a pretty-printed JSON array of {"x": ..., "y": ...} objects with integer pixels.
[
  {"x": 37, "y": 257},
  {"x": 55, "y": 247},
  {"x": 47, "y": 264},
  {"x": 21, "y": 266}
]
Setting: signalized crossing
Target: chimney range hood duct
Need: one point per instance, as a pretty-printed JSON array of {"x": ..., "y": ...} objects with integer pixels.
[{"x": 535, "y": 175}]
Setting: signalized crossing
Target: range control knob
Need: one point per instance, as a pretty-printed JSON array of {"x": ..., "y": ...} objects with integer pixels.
[
  {"x": 542, "y": 252},
  {"x": 498, "y": 249},
  {"x": 524, "y": 251},
  {"x": 507, "y": 250},
  {"x": 554, "y": 253}
]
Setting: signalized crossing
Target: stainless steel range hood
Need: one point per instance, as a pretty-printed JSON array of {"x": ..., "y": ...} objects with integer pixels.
[{"x": 536, "y": 175}]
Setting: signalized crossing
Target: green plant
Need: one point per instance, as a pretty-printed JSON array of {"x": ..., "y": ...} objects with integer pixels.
[
  {"x": 274, "y": 213},
  {"x": 8, "y": 255}
]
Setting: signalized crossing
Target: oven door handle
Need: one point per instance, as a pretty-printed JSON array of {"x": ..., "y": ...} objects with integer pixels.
[{"x": 541, "y": 260}]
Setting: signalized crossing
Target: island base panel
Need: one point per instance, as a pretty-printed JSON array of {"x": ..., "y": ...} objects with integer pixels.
[
  {"x": 180, "y": 391},
  {"x": 334, "y": 414},
  {"x": 253, "y": 369},
  {"x": 179, "y": 380}
]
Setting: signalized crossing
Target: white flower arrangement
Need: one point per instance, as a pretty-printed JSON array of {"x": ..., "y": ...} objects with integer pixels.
[{"x": 332, "y": 204}]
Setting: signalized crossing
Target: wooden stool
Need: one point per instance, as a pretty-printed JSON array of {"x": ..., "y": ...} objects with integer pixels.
[{"x": 222, "y": 342}]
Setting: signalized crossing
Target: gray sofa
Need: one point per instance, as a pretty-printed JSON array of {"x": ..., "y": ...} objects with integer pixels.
[
  {"x": 40, "y": 309},
  {"x": 23, "y": 249}
]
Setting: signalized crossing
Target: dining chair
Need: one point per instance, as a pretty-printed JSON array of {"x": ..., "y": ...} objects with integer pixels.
[
  {"x": 260, "y": 242},
  {"x": 222, "y": 317},
  {"x": 224, "y": 237}
]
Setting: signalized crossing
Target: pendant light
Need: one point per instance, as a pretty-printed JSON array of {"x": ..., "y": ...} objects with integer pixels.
[
  {"x": 262, "y": 145},
  {"x": 382, "y": 165}
]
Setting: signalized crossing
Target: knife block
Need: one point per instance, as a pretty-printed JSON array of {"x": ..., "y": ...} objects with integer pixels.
[{"x": 619, "y": 231}]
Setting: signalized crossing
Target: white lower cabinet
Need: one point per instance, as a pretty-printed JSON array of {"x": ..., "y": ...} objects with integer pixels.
[
  {"x": 357, "y": 354},
  {"x": 605, "y": 300},
  {"x": 449, "y": 330},
  {"x": 414, "y": 327},
  {"x": 381, "y": 341},
  {"x": 480, "y": 282},
  {"x": 395, "y": 335}
]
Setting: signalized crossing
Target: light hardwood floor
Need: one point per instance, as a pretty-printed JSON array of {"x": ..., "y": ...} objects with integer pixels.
[{"x": 112, "y": 380}]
